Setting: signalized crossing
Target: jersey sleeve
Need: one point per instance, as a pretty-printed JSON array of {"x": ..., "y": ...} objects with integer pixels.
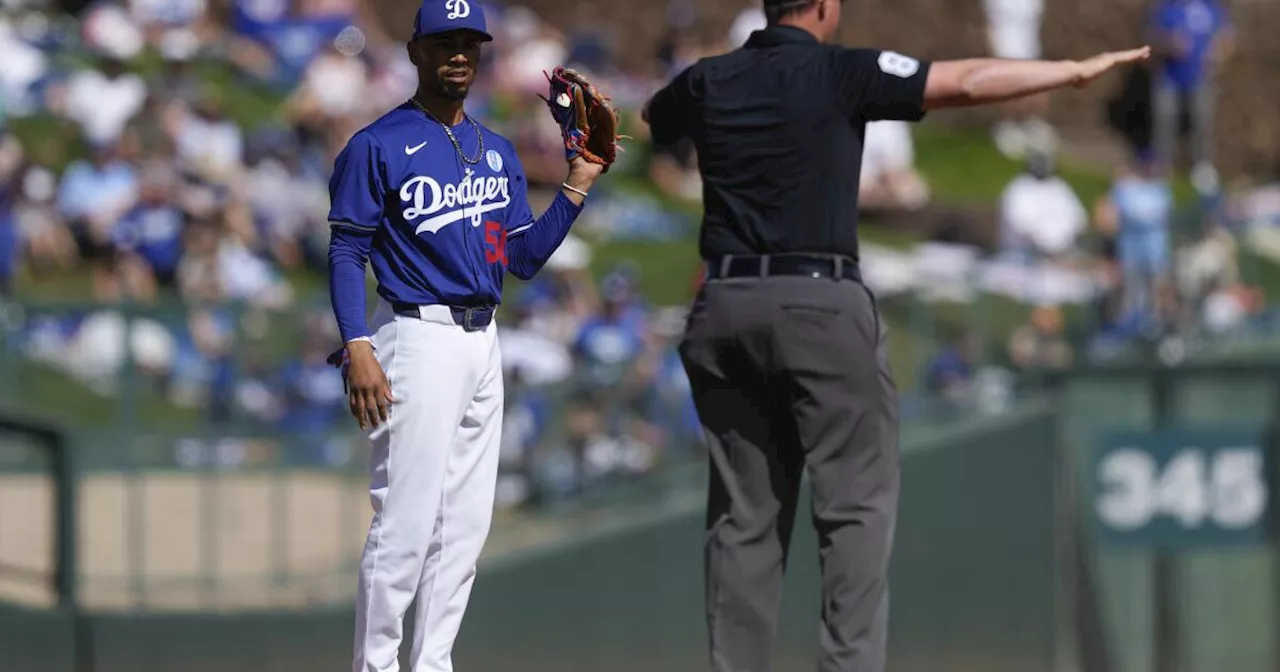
[
  {"x": 671, "y": 110},
  {"x": 519, "y": 213},
  {"x": 879, "y": 85},
  {"x": 358, "y": 184}
]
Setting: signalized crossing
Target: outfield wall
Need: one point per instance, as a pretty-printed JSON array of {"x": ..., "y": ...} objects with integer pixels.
[{"x": 974, "y": 588}]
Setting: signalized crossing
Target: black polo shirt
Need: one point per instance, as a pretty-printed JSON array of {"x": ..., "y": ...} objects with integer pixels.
[{"x": 778, "y": 126}]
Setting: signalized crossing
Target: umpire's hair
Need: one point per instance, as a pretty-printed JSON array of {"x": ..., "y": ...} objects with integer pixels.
[{"x": 775, "y": 12}]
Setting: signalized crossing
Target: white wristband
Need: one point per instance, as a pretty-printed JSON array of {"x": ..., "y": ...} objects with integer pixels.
[
  {"x": 576, "y": 191},
  {"x": 366, "y": 339}
]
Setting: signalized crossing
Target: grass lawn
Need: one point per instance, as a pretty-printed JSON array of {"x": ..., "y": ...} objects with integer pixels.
[
  {"x": 51, "y": 394},
  {"x": 963, "y": 167}
]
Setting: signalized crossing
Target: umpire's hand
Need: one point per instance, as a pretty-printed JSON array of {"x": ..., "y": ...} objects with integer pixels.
[
  {"x": 367, "y": 386},
  {"x": 1090, "y": 70}
]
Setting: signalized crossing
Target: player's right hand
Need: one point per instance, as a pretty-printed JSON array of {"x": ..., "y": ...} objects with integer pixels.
[{"x": 367, "y": 388}]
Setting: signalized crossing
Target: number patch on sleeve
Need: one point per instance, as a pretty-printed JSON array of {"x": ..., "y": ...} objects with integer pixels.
[{"x": 893, "y": 63}]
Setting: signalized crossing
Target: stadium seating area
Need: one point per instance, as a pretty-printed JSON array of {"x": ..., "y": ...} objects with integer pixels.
[{"x": 168, "y": 161}]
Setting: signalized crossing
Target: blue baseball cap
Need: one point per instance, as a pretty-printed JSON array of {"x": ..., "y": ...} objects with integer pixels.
[{"x": 443, "y": 16}]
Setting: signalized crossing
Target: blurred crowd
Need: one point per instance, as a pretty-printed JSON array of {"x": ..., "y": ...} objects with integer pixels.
[
  {"x": 595, "y": 388},
  {"x": 176, "y": 153},
  {"x": 179, "y": 150},
  {"x": 184, "y": 146},
  {"x": 180, "y": 186},
  {"x": 1160, "y": 275}
]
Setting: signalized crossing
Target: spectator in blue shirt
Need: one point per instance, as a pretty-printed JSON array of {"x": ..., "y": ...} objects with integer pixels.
[
  {"x": 609, "y": 343},
  {"x": 949, "y": 374},
  {"x": 312, "y": 391},
  {"x": 10, "y": 171},
  {"x": 8, "y": 250},
  {"x": 149, "y": 238},
  {"x": 616, "y": 335},
  {"x": 92, "y": 197},
  {"x": 1192, "y": 38},
  {"x": 275, "y": 40},
  {"x": 1138, "y": 212}
]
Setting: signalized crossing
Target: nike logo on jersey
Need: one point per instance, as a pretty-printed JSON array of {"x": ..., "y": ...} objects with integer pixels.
[
  {"x": 471, "y": 199},
  {"x": 414, "y": 150}
]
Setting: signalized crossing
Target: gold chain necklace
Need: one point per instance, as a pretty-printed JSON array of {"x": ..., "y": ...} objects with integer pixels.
[{"x": 457, "y": 146}]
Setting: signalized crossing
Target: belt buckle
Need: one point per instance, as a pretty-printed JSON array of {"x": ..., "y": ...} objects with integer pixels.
[{"x": 468, "y": 319}]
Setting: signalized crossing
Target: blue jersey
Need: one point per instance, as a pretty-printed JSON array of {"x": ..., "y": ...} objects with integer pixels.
[
  {"x": 8, "y": 247},
  {"x": 155, "y": 233},
  {"x": 440, "y": 225},
  {"x": 1196, "y": 21}
]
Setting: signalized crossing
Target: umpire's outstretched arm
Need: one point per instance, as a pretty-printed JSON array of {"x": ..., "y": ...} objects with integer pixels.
[{"x": 982, "y": 81}]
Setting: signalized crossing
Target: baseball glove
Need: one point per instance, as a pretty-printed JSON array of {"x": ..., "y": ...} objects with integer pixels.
[{"x": 588, "y": 120}]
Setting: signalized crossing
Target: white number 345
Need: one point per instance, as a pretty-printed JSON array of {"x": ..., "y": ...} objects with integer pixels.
[{"x": 1231, "y": 491}]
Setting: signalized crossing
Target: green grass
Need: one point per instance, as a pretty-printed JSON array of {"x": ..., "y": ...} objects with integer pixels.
[
  {"x": 1260, "y": 272},
  {"x": 667, "y": 269},
  {"x": 964, "y": 167},
  {"x": 52, "y": 394},
  {"x": 54, "y": 287}
]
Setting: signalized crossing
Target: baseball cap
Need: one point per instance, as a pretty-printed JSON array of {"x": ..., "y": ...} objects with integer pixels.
[{"x": 442, "y": 16}]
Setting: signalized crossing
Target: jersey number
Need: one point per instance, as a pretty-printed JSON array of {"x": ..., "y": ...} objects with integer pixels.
[{"x": 495, "y": 237}]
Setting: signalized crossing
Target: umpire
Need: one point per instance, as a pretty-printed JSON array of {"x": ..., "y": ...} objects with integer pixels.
[{"x": 784, "y": 346}]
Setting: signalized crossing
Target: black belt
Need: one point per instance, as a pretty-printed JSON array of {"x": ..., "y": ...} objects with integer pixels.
[
  {"x": 795, "y": 265},
  {"x": 470, "y": 318}
]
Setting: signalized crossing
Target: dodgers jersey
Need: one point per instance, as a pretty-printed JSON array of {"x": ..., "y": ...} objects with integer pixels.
[{"x": 440, "y": 225}]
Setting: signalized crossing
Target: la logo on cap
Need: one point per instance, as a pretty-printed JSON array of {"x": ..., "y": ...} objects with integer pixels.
[{"x": 458, "y": 9}]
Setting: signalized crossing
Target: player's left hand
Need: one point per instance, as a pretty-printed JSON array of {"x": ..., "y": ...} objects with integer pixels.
[
  {"x": 581, "y": 167},
  {"x": 588, "y": 120},
  {"x": 583, "y": 173}
]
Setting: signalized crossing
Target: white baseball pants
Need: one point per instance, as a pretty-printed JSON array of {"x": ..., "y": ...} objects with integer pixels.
[{"x": 432, "y": 477}]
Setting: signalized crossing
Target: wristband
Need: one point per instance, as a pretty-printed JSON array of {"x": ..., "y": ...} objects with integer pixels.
[
  {"x": 576, "y": 191},
  {"x": 340, "y": 358}
]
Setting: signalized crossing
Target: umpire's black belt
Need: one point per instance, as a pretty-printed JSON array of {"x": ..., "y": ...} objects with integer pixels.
[
  {"x": 828, "y": 266},
  {"x": 470, "y": 318}
]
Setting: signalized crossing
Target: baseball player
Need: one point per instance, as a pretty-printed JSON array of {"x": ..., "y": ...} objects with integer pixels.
[{"x": 438, "y": 204}]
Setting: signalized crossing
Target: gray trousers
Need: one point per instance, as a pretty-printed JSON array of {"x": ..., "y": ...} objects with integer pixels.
[
  {"x": 790, "y": 374},
  {"x": 1168, "y": 104}
]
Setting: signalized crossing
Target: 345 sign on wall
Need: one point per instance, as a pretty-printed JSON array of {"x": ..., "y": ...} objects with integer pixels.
[{"x": 1181, "y": 488}]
